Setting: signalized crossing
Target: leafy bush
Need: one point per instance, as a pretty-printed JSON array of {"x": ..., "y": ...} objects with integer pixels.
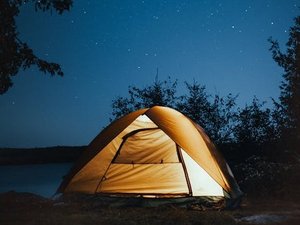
[{"x": 258, "y": 176}]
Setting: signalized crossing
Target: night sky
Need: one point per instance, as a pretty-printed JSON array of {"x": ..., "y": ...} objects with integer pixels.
[{"x": 105, "y": 46}]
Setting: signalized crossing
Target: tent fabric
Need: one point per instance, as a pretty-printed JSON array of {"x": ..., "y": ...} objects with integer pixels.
[
  {"x": 176, "y": 126},
  {"x": 145, "y": 179},
  {"x": 155, "y": 151},
  {"x": 198, "y": 176},
  {"x": 160, "y": 148}
]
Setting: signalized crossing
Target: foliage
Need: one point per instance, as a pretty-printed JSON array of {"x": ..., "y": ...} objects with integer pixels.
[
  {"x": 289, "y": 106},
  {"x": 222, "y": 118},
  {"x": 161, "y": 93},
  {"x": 16, "y": 54},
  {"x": 195, "y": 104},
  {"x": 258, "y": 173},
  {"x": 215, "y": 114},
  {"x": 254, "y": 124}
]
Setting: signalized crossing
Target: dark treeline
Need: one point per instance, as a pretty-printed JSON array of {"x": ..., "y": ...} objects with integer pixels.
[
  {"x": 42, "y": 155},
  {"x": 259, "y": 141}
]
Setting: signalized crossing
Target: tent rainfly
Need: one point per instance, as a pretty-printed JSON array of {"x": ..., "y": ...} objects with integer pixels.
[{"x": 155, "y": 152}]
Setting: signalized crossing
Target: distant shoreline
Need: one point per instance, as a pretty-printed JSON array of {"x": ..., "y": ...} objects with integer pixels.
[{"x": 56, "y": 154}]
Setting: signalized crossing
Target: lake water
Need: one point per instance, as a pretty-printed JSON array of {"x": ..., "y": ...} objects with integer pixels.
[{"x": 42, "y": 179}]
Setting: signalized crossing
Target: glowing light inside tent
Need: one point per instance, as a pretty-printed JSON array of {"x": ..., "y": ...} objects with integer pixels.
[
  {"x": 144, "y": 118},
  {"x": 202, "y": 184}
]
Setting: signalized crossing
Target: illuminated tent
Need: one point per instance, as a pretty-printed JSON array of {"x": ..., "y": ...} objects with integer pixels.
[{"x": 156, "y": 152}]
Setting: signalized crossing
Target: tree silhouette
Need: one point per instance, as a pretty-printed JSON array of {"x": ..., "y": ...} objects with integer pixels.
[
  {"x": 16, "y": 54},
  {"x": 289, "y": 106},
  {"x": 195, "y": 103},
  {"x": 214, "y": 113},
  {"x": 159, "y": 93},
  {"x": 254, "y": 124}
]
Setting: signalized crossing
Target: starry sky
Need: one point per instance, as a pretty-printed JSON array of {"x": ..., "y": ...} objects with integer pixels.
[{"x": 105, "y": 46}]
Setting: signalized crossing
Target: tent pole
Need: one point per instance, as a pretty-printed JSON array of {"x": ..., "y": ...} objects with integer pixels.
[{"x": 185, "y": 170}]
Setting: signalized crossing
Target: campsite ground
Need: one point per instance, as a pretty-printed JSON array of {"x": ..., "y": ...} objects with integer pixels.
[
  {"x": 25, "y": 208},
  {"x": 267, "y": 201}
]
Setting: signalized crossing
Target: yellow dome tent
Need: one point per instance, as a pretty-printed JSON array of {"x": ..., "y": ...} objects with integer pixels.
[{"x": 155, "y": 152}]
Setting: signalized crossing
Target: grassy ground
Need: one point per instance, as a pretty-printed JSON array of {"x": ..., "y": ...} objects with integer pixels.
[{"x": 25, "y": 208}]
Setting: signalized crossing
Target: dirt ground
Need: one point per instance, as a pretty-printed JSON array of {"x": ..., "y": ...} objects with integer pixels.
[{"x": 26, "y": 208}]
